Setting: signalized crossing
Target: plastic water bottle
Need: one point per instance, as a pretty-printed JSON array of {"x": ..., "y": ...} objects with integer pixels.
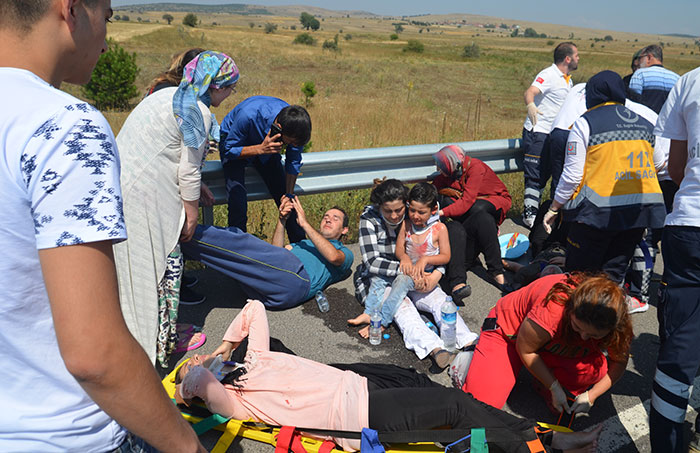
[
  {"x": 322, "y": 301},
  {"x": 429, "y": 324},
  {"x": 375, "y": 328},
  {"x": 448, "y": 329}
]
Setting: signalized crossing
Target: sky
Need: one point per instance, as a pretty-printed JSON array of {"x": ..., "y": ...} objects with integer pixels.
[{"x": 637, "y": 16}]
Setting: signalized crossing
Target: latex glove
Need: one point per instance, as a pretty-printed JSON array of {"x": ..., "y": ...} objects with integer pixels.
[
  {"x": 582, "y": 403},
  {"x": 532, "y": 112},
  {"x": 559, "y": 397},
  {"x": 548, "y": 220}
]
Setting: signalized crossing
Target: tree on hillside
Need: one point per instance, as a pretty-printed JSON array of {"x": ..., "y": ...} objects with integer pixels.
[
  {"x": 413, "y": 45},
  {"x": 309, "y": 22},
  {"x": 168, "y": 18},
  {"x": 532, "y": 33},
  {"x": 112, "y": 83},
  {"x": 305, "y": 38},
  {"x": 398, "y": 28},
  {"x": 190, "y": 20}
]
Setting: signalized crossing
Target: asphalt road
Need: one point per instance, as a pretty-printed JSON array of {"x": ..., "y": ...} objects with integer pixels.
[{"x": 326, "y": 338}]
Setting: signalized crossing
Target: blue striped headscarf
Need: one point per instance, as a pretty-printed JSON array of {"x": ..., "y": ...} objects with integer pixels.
[{"x": 205, "y": 70}]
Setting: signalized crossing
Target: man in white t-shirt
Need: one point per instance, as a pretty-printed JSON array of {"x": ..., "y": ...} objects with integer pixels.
[
  {"x": 543, "y": 99},
  {"x": 679, "y": 301},
  {"x": 73, "y": 378}
]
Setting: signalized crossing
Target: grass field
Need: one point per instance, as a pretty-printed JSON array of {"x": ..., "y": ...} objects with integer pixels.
[{"x": 371, "y": 93}]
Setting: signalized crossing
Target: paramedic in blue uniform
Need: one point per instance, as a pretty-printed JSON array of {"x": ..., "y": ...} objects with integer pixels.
[
  {"x": 608, "y": 189},
  {"x": 246, "y": 141},
  {"x": 679, "y": 301}
]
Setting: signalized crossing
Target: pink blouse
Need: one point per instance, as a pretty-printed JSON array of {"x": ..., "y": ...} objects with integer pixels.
[{"x": 282, "y": 389}]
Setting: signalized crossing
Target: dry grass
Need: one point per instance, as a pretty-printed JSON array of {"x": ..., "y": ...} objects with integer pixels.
[{"x": 371, "y": 93}]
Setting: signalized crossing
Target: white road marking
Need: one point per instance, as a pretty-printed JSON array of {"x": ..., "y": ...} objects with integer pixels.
[{"x": 632, "y": 424}]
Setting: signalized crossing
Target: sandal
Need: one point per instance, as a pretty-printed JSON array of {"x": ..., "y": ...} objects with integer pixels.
[{"x": 190, "y": 342}]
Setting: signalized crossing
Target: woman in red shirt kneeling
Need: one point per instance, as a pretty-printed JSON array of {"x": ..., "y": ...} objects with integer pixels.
[{"x": 559, "y": 327}]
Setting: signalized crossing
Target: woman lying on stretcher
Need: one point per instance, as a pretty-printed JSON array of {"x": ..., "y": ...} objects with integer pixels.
[{"x": 284, "y": 389}]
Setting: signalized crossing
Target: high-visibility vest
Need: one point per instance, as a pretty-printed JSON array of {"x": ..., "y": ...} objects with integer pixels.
[{"x": 619, "y": 189}]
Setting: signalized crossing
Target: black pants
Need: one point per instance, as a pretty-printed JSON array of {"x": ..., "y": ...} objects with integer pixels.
[
  {"x": 552, "y": 159},
  {"x": 473, "y": 233},
  {"x": 274, "y": 176},
  {"x": 679, "y": 356},
  {"x": 532, "y": 145},
  {"x": 406, "y": 409},
  {"x": 591, "y": 249}
]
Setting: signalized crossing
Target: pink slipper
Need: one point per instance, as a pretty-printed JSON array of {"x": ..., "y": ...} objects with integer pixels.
[{"x": 189, "y": 342}]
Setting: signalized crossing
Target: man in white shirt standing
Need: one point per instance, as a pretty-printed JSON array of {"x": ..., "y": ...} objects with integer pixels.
[
  {"x": 73, "y": 378},
  {"x": 543, "y": 99},
  {"x": 679, "y": 301}
]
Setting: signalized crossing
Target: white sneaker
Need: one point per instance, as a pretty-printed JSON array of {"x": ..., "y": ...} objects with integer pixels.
[{"x": 635, "y": 305}]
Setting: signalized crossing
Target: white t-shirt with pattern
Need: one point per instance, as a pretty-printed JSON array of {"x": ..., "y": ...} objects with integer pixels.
[{"x": 59, "y": 185}]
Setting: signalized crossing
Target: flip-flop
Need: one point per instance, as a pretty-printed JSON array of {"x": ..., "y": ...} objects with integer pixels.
[{"x": 186, "y": 342}]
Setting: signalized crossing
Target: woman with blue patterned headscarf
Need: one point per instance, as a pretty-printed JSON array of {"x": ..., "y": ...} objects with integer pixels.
[{"x": 163, "y": 145}]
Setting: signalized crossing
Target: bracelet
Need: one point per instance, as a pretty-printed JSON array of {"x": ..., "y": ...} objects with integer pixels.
[{"x": 553, "y": 211}]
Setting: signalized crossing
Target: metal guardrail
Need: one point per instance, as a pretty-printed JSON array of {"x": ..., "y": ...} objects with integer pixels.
[{"x": 329, "y": 171}]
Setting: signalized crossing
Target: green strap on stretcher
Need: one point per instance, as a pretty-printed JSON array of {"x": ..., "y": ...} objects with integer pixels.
[
  {"x": 207, "y": 423},
  {"x": 478, "y": 441}
]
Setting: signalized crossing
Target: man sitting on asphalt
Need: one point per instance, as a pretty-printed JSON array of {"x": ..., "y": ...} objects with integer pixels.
[{"x": 281, "y": 277}]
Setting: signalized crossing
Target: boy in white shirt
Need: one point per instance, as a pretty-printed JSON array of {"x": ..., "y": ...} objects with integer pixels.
[{"x": 74, "y": 379}]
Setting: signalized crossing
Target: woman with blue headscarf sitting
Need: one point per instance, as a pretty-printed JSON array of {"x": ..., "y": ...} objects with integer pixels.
[{"x": 162, "y": 146}]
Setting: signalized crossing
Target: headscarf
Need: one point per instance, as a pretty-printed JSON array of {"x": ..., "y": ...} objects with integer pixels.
[
  {"x": 449, "y": 160},
  {"x": 606, "y": 86},
  {"x": 205, "y": 70}
]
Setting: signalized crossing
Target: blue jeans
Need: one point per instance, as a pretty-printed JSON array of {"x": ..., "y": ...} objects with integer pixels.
[
  {"x": 400, "y": 287},
  {"x": 377, "y": 286},
  {"x": 134, "y": 444}
]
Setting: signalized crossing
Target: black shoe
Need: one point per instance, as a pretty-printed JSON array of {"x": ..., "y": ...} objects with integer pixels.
[
  {"x": 440, "y": 360},
  {"x": 190, "y": 297},
  {"x": 188, "y": 281},
  {"x": 506, "y": 288},
  {"x": 460, "y": 294}
]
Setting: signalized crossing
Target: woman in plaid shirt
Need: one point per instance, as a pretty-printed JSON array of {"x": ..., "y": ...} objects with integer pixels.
[{"x": 379, "y": 225}]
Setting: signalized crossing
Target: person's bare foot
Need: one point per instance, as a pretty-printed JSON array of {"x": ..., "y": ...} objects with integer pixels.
[
  {"x": 358, "y": 321},
  {"x": 581, "y": 442},
  {"x": 364, "y": 332}
]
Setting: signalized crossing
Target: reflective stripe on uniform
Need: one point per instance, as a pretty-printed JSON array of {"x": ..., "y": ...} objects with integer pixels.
[
  {"x": 589, "y": 194},
  {"x": 669, "y": 411},
  {"x": 622, "y": 135},
  {"x": 675, "y": 388}
]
